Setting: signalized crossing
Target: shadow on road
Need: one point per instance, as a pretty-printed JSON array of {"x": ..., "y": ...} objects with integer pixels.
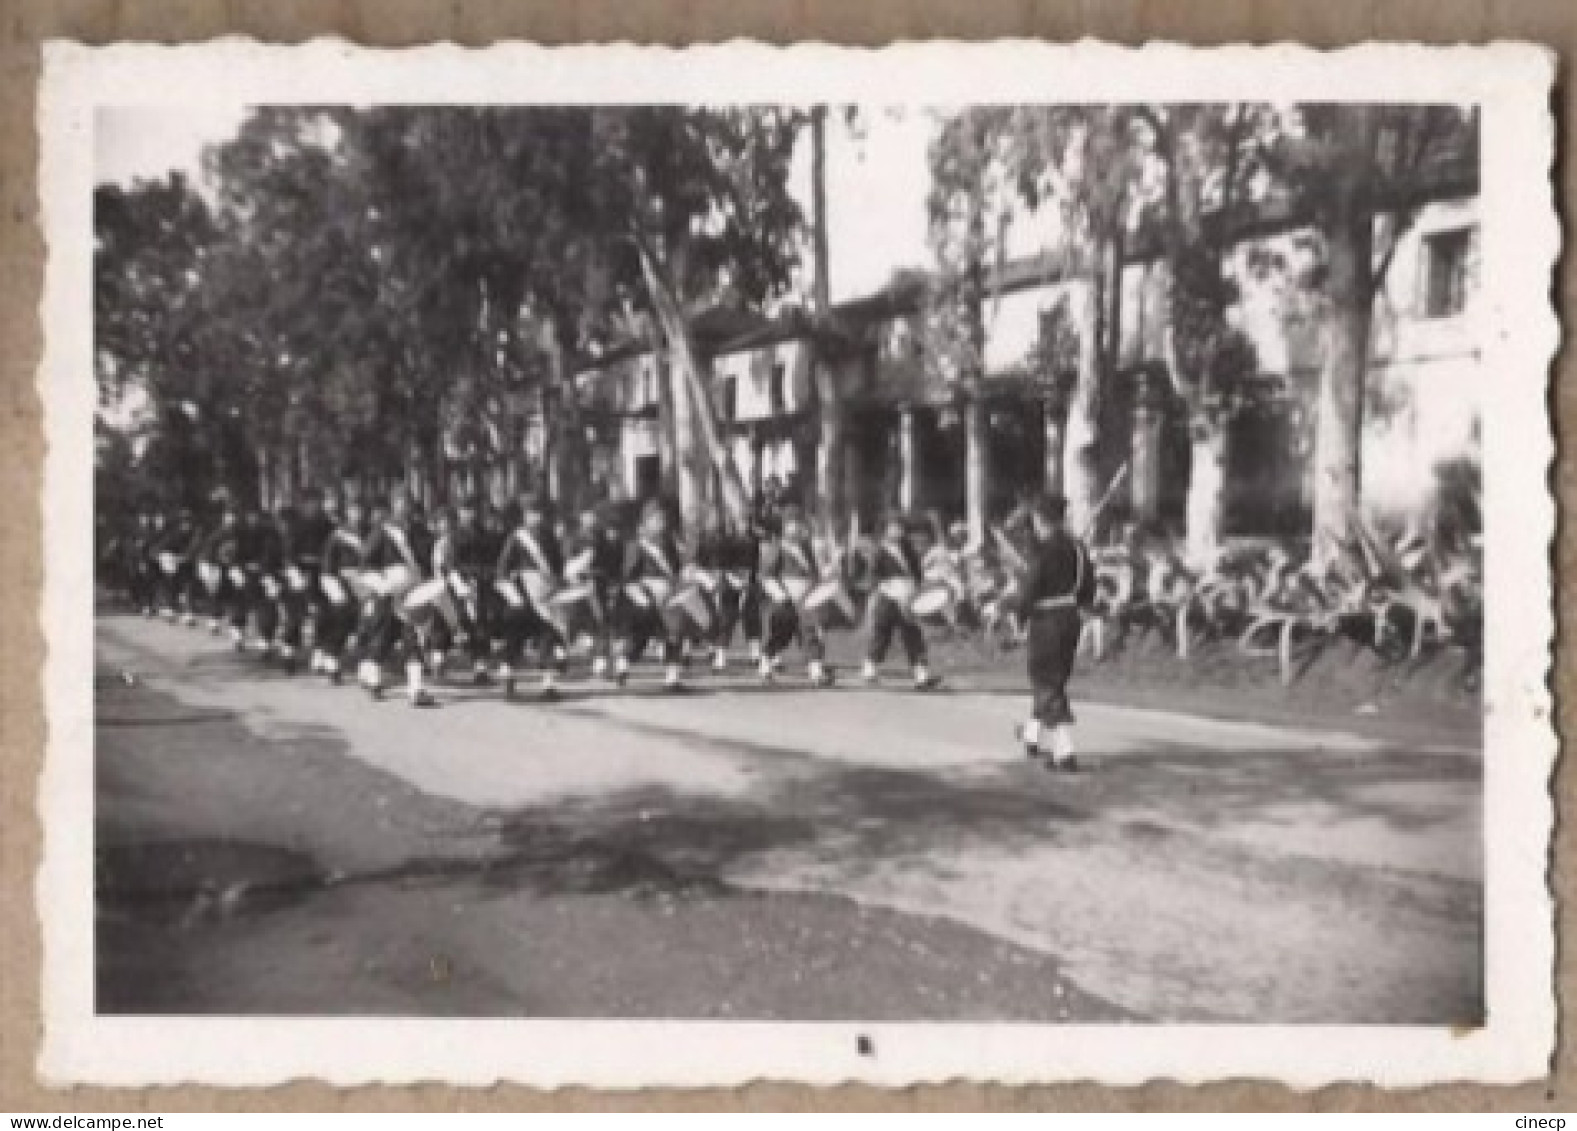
[{"x": 223, "y": 823}]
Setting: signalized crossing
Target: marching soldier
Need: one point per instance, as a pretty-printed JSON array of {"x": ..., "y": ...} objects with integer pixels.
[
  {"x": 337, "y": 612},
  {"x": 601, "y": 548},
  {"x": 792, "y": 576},
  {"x": 262, "y": 557},
  {"x": 896, "y": 573},
  {"x": 221, "y": 553},
  {"x": 1060, "y": 583},
  {"x": 304, "y": 533},
  {"x": 727, "y": 563},
  {"x": 465, "y": 557},
  {"x": 145, "y": 565},
  {"x": 652, "y": 575},
  {"x": 141, "y": 568},
  {"x": 215, "y": 554},
  {"x": 395, "y": 554},
  {"x": 306, "y": 541},
  {"x": 530, "y": 569},
  {"x": 172, "y": 553}
]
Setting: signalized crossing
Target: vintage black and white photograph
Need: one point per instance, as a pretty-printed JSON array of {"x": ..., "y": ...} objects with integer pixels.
[{"x": 874, "y": 560}]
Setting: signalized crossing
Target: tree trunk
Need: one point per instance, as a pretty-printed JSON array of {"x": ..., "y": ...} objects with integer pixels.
[
  {"x": 691, "y": 470},
  {"x": 830, "y": 453},
  {"x": 287, "y": 485},
  {"x": 304, "y": 469},
  {"x": 510, "y": 478},
  {"x": 667, "y": 448},
  {"x": 977, "y": 466},
  {"x": 1054, "y": 416},
  {"x": 818, "y": 181},
  {"x": 1080, "y": 473},
  {"x": 1145, "y": 456},
  {"x": 567, "y": 463},
  {"x": 854, "y": 475},
  {"x": 908, "y": 461},
  {"x": 1207, "y": 481},
  {"x": 263, "y": 494},
  {"x": 697, "y": 436},
  {"x": 1349, "y": 293}
]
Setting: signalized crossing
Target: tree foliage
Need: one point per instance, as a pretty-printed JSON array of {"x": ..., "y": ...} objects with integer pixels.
[{"x": 377, "y": 289}]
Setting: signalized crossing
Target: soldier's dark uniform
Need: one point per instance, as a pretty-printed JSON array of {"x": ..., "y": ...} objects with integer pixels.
[
  {"x": 894, "y": 561},
  {"x": 1060, "y": 583},
  {"x": 791, "y": 556},
  {"x": 604, "y": 543},
  {"x": 734, "y": 558},
  {"x": 215, "y": 547},
  {"x": 193, "y": 597},
  {"x": 650, "y": 558},
  {"x": 389, "y": 637},
  {"x": 336, "y": 620},
  {"x": 222, "y": 548},
  {"x": 260, "y": 553},
  {"x": 176, "y": 538},
  {"x": 303, "y": 535},
  {"x": 140, "y": 566},
  {"x": 471, "y": 551},
  {"x": 531, "y": 548}
]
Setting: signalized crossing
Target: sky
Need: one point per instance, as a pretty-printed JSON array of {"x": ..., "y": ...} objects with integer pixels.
[
  {"x": 147, "y": 142},
  {"x": 876, "y": 178}
]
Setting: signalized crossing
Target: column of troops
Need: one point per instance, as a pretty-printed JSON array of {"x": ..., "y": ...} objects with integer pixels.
[{"x": 342, "y": 588}]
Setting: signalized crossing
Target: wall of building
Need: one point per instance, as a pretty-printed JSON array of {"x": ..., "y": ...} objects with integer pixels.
[
  {"x": 1424, "y": 391},
  {"x": 752, "y": 371},
  {"x": 1426, "y": 382},
  {"x": 1012, "y": 323},
  {"x": 628, "y": 388},
  {"x": 1423, "y": 400}
]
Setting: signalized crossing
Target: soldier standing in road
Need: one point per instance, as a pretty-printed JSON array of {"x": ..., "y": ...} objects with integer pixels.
[{"x": 1059, "y": 585}]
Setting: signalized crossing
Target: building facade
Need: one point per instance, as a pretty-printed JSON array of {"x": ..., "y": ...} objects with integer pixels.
[{"x": 906, "y": 443}]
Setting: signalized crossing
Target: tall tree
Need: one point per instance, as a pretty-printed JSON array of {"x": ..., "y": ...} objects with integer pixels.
[
  {"x": 1088, "y": 166},
  {"x": 1360, "y": 172},
  {"x": 151, "y": 243},
  {"x": 967, "y": 207},
  {"x": 700, "y": 198},
  {"x": 298, "y": 298},
  {"x": 1208, "y": 155},
  {"x": 830, "y": 452}
]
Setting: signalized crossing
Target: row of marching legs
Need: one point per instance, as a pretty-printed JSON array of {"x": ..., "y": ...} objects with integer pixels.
[{"x": 336, "y": 628}]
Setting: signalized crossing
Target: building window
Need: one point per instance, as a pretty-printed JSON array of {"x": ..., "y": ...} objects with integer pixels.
[
  {"x": 728, "y": 399},
  {"x": 777, "y": 391},
  {"x": 1447, "y": 257}
]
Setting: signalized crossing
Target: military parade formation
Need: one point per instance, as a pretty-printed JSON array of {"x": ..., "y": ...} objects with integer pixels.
[{"x": 498, "y": 596}]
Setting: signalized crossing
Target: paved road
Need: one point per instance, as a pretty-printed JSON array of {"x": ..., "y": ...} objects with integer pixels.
[{"x": 274, "y": 844}]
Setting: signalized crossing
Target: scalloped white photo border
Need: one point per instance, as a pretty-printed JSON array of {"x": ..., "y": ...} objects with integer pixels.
[{"x": 1520, "y": 333}]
